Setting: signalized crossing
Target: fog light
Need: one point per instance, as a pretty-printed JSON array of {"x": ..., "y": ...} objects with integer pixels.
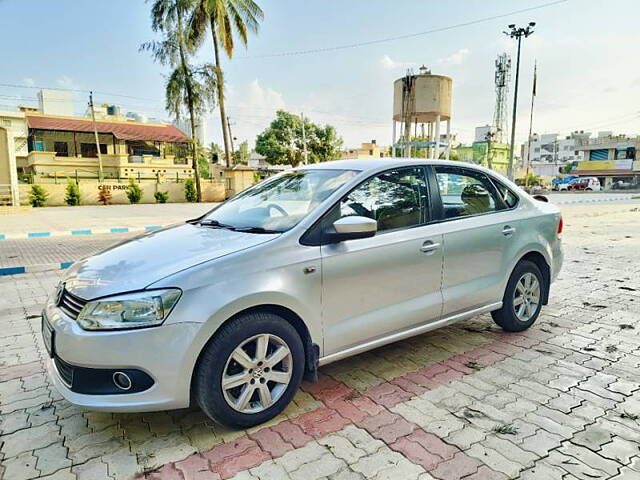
[{"x": 122, "y": 380}]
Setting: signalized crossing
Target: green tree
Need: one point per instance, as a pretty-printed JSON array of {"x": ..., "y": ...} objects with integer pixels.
[
  {"x": 161, "y": 197},
  {"x": 38, "y": 196},
  {"x": 187, "y": 86},
  {"x": 282, "y": 142},
  {"x": 204, "y": 159},
  {"x": 243, "y": 154},
  {"x": 134, "y": 192},
  {"x": 73, "y": 193},
  {"x": 189, "y": 190},
  {"x": 225, "y": 19}
]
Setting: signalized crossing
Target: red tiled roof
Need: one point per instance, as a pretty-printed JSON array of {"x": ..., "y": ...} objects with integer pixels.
[{"x": 121, "y": 130}]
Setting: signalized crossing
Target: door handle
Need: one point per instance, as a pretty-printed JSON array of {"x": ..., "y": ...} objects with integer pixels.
[
  {"x": 429, "y": 246},
  {"x": 508, "y": 230}
]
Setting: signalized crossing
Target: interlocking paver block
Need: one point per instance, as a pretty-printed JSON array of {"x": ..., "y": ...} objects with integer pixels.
[
  {"x": 322, "y": 467},
  {"x": 321, "y": 422},
  {"x": 294, "y": 459},
  {"x": 271, "y": 441},
  {"x": 461, "y": 465},
  {"x": 342, "y": 448},
  {"x": 495, "y": 460}
]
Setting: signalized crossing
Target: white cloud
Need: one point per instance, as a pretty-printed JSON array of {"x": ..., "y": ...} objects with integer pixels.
[
  {"x": 261, "y": 98},
  {"x": 389, "y": 63},
  {"x": 250, "y": 108},
  {"x": 28, "y": 82},
  {"x": 456, "y": 58},
  {"x": 67, "y": 83}
]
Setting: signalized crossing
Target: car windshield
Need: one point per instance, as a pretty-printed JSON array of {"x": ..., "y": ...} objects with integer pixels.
[{"x": 279, "y": 203}]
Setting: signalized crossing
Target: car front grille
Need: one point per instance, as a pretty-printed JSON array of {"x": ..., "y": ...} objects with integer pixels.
[
  {"x": 65, "y": 371},
  {"x": 70, "y": 304}
]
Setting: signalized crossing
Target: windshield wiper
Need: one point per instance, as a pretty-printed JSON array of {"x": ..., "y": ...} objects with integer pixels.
[
  {"x": 255, "y": 230},
  {"x": 215, "y": 224}
]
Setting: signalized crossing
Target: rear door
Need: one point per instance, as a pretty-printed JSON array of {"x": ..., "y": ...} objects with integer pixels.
[
  {"x": 478, "y": 230},
  {"x": 373, "y": 287}
]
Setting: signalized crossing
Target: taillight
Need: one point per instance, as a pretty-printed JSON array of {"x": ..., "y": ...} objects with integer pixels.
[{"x": 560, "y": 226}]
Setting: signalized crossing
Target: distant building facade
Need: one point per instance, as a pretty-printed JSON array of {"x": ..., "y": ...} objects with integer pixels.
[
  {"x": 55, "y": 102},
  {"x": 550, "y": 152},
  {"x": 610, "y": 158},
  {"x": 367, "y": 150}
]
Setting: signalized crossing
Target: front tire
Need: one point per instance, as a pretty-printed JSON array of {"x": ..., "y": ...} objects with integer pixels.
[
  {"x": 522, "y": 299},
  {"x": 250, "y": 370}
]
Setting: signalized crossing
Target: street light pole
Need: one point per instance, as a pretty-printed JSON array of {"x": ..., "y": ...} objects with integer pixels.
[{"x": 516, "y": 33}]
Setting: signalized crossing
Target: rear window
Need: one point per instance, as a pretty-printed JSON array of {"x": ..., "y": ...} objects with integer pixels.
[{"x": 510, "y": 199}]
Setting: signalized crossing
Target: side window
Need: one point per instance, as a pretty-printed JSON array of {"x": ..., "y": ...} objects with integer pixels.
[
  {"x": 465, "y": 192},
  {"x": 395, "y": 199},
  {"x": 508, "y": 197}
]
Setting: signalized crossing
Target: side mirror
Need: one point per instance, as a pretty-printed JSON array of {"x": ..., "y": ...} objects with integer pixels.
[
  {"x": 352, "y": 227},
  {"x": 541, "y": 198}
]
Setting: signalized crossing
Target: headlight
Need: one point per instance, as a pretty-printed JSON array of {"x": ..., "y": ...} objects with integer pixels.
[{"x": 142, "y": 309}]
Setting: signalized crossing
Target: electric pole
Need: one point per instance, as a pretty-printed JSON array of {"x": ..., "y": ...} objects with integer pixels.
[
  {"x": 516, "y": 33},
  {"x": 304, "y": 142},
  {"x": 95, "y": 132},
  {"x": 231, "y": 140}
]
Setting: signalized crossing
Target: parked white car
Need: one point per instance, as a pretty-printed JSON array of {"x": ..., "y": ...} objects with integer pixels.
[{"x": 230, "y": 310}]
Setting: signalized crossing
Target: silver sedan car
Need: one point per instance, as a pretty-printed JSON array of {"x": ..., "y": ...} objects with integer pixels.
[{"x": 230, "y": 311}]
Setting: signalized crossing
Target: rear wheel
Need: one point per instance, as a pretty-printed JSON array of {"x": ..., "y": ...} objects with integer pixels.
[
  {"x": 250, "y": 370},
  {"x": 522, "y": 299}
]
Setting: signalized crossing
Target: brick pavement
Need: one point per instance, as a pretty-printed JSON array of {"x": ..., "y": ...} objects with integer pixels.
[{"x": 560, "y": 401}]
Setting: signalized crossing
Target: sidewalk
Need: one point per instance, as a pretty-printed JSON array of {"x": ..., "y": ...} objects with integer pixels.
[{"x": 92, "y": 219}]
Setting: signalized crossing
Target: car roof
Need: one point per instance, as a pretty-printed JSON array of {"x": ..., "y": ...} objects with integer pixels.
[{"x": 377, "y": 163}]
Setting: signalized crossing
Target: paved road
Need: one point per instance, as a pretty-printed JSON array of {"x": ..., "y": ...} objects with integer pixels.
[
  {"x": 91, "y": 217},
  {"x": 53, "y": 251},
  {"x": 559, "y": 401}
]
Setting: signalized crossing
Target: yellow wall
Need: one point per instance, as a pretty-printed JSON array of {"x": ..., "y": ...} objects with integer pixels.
[{"x": 211, "y": 192}]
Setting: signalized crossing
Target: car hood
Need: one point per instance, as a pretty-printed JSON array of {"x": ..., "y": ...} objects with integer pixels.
[{"x": 141, "y": 261}]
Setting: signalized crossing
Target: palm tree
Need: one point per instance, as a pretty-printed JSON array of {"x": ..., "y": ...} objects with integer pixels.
[
  {"x": 168, "y": 17},
  {"x": 225, "y": 19}
]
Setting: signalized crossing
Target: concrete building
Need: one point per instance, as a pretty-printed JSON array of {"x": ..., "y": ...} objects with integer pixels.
[
  {"x": 13, "y": 152},
  {"x": 483, "y": 151},
  {"x": 491, "y": 155},
  {"x": 550, "y": 152},
  {"x": 201, "y": 129},
  {"x": 55, "y": 102},
  {"x": 61, "y": 147},
  {"x": 367, "y": 150},
  {"x": 610, "y": 158}
]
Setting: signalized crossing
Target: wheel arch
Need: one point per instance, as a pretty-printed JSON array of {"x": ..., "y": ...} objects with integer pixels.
[
  {"x": 311, "y": 350},
  {"x": 540, "y": 261}
]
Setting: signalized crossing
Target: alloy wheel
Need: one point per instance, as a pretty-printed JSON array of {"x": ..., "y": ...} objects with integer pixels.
[
  {"x": 526, "y": 297},
  {"x": 257, "y": 373}
]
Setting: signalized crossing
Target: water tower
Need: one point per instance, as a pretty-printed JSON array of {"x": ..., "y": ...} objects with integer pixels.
[{"x": 420, "y": 103}]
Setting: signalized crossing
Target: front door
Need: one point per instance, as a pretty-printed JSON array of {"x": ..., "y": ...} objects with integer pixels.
[{"x": 376, "y": 286}]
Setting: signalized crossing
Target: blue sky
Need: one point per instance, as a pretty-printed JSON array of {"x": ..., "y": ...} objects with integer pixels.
[{"x": 586, "y": 50}]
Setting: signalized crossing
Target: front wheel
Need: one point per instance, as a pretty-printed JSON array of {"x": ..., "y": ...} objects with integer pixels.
[
  {"x": 250, "y": 370},
  {"x": 522, "y": 299}
]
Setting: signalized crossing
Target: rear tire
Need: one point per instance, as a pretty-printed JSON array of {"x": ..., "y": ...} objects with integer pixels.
[
  {"x": 522, "y": 299},
  {"x": 260, "y": 359}
]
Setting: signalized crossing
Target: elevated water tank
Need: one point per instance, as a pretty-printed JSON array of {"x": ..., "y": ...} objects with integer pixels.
[{"x": 421, "y": 98}]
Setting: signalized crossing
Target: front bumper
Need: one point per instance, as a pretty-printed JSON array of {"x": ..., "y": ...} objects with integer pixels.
[{"x": 163, "y": 353}]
